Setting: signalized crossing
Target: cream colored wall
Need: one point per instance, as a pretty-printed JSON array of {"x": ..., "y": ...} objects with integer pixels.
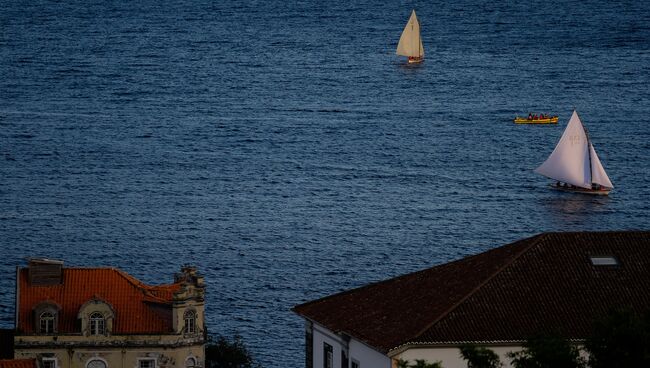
[
  {"x": 118, "y": 357},
  {"x": 450, "y": 356},
  {"x": 124, "y": 353}
]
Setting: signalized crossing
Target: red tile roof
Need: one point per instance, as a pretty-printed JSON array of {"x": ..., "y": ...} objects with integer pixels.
[
  {"x": 510, "y": 293},
  {"x": 139, "y": 308},
  {"x": 18, "y": 363}
]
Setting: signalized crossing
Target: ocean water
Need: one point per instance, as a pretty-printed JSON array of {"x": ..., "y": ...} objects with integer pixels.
[{"x": 284, "y": 149}]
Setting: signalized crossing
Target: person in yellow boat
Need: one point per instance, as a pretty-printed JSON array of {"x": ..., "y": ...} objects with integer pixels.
[{"x": 530, "y": 116}]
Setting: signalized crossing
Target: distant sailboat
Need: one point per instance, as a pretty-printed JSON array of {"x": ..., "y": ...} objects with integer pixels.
[
  {"x": 575, "y": 164},
  {"x": 410, "y": 43}
]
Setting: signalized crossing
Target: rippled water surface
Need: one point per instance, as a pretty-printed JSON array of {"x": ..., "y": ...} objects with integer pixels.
[{"x": 286, "y": 151}]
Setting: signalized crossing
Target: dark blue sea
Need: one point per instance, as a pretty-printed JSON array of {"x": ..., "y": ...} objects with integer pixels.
[{"x": 284, "y": 149}]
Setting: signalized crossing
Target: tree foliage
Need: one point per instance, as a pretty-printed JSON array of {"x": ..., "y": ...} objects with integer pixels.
[
  {"x": 621, "y": 339},
  {"x": 547, "y": 351},
  {"x": 419, "y": 363},
  {"x": 223, "y": 353},
  {"x": 479, "y": 357}
]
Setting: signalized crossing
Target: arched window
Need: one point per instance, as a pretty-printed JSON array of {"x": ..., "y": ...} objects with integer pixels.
[
  {"x": 190, "y": 321},
  {"x": 190, "y": 362},
  {"x": 97, "y": 324},
  {"x": 46, "y": 322},
  {"x": 96, "y": 363}
]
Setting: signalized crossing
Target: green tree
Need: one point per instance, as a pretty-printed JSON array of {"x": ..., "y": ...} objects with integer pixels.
[
  {"x": 620, "y": 339},
  {"x": 401, "y": 363},
  {"x": 419, "y": 363},
  {"x": 222, "y": 353},
  {"x": 547, "y": 351},
  {"x": 480, "y": 357}
]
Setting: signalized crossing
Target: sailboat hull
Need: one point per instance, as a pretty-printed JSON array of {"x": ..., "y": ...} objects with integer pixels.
[
  {"x": 573, "y": 189},
  {"x": 415, "y": 60}
]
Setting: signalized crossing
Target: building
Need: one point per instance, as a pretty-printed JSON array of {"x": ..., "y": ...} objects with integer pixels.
[
  {"x": 104, "y": 318},
  {"x": 553, "y": 282}
]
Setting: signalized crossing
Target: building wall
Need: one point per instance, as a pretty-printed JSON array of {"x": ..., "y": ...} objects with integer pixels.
[
  {"x": 321, "y": 335},
  {"x": 353, "y": 349},
  {"x": 366, "y": 356},
  {"x": 117, "y": 356},
  {"x": 450, "y": 356}
]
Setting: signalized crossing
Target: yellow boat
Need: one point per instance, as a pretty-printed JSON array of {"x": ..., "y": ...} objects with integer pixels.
[{"x": 549, "y": 120}]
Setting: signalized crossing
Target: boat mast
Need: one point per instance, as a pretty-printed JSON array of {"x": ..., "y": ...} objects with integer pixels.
[
  {"x": 419, "y": 40},
  {"x": 591, "y": 174}
]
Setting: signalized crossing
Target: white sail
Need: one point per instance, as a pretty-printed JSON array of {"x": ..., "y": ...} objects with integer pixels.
[
  {"x": 598, "y": 174},
  {"x": 569, "y": 161},
  {"x": 410, "y": 43}
]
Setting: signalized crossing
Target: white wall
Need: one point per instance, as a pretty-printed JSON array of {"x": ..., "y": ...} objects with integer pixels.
[
  {"x": 322, "y": 335},
  {"x": 366, "y": 356},
  {"x": 450, "y": 356}
]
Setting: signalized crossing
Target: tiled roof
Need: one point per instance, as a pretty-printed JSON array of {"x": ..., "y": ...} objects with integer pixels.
[
  {"x": 510, "y": 293},
  {"x": 139, "y": 308},
  {"x": 18, "y": 363}
]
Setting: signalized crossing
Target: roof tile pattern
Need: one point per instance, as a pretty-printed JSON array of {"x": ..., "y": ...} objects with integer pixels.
[
  {"x": 542, "y": 283},
  {"x": 139, "y": 308},
  {"x": 17, "y": 363}
]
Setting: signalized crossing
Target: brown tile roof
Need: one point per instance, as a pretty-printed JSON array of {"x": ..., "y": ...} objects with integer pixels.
[
  {"x": 139, "y": 308},
  {"x": 18, "y": 363},
  {"x": 542, "y": 283}
]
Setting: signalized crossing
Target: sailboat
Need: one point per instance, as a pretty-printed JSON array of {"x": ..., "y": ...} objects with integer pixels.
[
  {"x": 575, "y": 164},
  {"x": 410, "y": 43}
]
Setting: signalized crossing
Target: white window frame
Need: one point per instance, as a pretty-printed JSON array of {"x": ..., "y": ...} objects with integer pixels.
[
  {"x": 355, "y": 363},
  {"x": 43, "y": 360},
  {"x": 190, "y": 315},
  {"x": 94, "y": 324},
  {"x": 49, "y": 321},
  {"x": 140, "y": 360}
]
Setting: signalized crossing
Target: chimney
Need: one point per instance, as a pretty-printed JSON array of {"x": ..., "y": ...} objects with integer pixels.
[{"x": 43, "y": 271}]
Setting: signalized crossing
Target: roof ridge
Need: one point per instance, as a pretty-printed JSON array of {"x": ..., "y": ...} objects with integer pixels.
[
  {"x": 477, "y": 288},
  {"x": 383, "y": 281}
]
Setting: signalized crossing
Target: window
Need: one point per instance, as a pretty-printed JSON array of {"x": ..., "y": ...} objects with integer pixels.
[
  {"x": 328, "y": 355},
  {"x": 96, "y": 363},
  {"x": 49, "y": 362},
  {"x": 355, "y": 364},
  {"x": 190, "y": 362},
  {"x": 47, "y": 323},
  {"x": 147, "y": 363},
  {"x": 97, "y": 324},
  {"x": 190, "y": 322}
]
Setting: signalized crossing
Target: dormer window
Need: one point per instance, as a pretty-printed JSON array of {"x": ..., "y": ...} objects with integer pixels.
[
  {"x": 46, "y": 322},
  {"x": 45, "y": 317},
  {"x": 190, "y": 321},
  {"x": 97, "y": 324},
  {"x": 96, "y": 317}
]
